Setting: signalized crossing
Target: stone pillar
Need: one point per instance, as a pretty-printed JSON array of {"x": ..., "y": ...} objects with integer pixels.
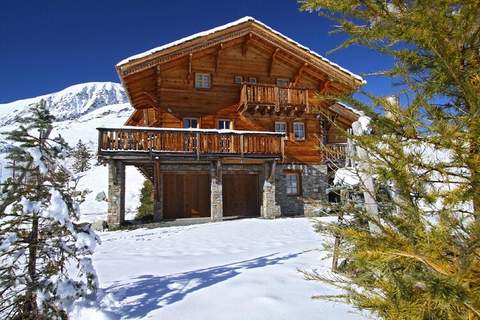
[
  {"x": 216, "y": 192},
  {"x": 269, "y": 209},
  {"x": 157, "y": 192},
  {"x": 116, "y": 193}
]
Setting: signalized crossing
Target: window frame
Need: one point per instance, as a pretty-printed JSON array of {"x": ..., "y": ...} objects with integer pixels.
[
  {"x": 286, "y": 127},
  {"x": 209, "y": 80},
  {"x": 224, "y": 119},
  {"x": 298, "y": 182},
  {"x": 304, "y": 131},
  {"x": 191, "y": 118},
  {"x": 254, "y": 80},
  {"x": 237, "y": 77}
]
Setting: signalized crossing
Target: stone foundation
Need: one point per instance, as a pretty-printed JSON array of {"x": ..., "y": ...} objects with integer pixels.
[
  {"x": 269, "y": 208},
  {"x": 116, "y": 193},
  {"x": 273, "y": 198},
  {"x": 313, "y": 181},
  {"x": 216, "y": 195}
]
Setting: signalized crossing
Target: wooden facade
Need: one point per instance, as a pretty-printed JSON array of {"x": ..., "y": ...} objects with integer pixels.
[{"x": 245, "y": 75}]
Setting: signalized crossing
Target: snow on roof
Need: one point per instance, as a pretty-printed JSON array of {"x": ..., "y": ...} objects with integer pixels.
[
  {"x": 231, "y": 24},
  {"x": 346, "y": 106}
]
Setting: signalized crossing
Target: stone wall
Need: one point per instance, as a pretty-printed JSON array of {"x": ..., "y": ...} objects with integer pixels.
[
  {"x": 116, "y": 193},
  {"x": 314, "y": 183},
  {"x": 273, "y": 198}
]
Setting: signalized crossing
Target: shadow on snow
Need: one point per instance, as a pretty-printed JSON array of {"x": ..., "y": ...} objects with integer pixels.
[{"x": 149, "y": 292}]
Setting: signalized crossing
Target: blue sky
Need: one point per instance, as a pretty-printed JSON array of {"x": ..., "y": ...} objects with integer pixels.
[{"x": 48, "y": 45}]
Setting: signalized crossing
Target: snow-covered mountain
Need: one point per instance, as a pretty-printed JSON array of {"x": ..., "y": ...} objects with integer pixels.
[
  {"x": 69, "y": 103},
  {"x": 79, "y": 110}
]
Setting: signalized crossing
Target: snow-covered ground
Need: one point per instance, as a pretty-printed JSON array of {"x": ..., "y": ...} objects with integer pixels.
[{"x": 244, "y": 269}]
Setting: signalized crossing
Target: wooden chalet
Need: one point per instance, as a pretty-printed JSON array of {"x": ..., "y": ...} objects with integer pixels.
[{"x": 228, "y": 122}]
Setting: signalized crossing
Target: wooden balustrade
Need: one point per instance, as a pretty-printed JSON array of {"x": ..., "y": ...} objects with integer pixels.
[
  {"x": 191, "y": 142},
  {"x": 262, "y": 95},
  {"x": 334, "y": 151}
]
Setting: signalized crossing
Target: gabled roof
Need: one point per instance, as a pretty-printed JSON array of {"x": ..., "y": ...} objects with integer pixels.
[{"x": 144, "y": 57}]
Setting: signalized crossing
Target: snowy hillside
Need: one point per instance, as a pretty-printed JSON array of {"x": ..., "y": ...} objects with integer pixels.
[{"x": 80, "y": 109}]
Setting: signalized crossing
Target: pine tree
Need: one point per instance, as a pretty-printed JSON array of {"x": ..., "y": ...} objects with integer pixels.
[
  {"x": 145, "y": 210},
  {"x": 45, "y": 262},
  {"x": 418, "y": 257},
  {"x": 81, "y": 157}
]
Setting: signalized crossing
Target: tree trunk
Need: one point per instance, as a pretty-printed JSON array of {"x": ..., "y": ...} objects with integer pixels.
[{"x": 31, "y": 307}]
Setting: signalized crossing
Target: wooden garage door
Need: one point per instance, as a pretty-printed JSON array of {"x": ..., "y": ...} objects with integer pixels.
[
  {"x": 240, "y": 195},
  {"x": 186, "y": 196}
]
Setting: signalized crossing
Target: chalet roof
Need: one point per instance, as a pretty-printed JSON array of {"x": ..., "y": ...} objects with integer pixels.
[{"x": 153, "y": 51}]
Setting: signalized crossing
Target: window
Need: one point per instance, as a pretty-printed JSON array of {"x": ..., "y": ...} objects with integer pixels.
[
  {"x": 190, "y": 123},
  {"x": 238, "y": 79},
  {"x": 252, "y": 80},
  {"x": 299, "y": 130},
  {"x": 283, "y": 83},
  {"x": 224, "y": 124},
  {"x": 280, "y": 126},
  {"x": 202, "y": 80},
  {"x": 293, "y": 185}
]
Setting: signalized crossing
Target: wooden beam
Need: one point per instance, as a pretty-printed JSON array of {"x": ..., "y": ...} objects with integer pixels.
[
  {"x": 189, "y": 70},
  {"x": 217, "y": 56},
  {"x": 248, "y": 38},
  {"x": 299, "y": 74},
  {"x": 158, "y": 80},
  {"x": 272, "y": 60}
]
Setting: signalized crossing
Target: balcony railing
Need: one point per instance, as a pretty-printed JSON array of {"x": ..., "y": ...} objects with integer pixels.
[
  {"x": 191, "y": 142},
  {"x": 270, "y": 98},
  {"x": 334, "y": 151}
]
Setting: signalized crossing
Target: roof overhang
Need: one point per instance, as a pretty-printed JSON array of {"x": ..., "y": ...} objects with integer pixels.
[{"x": 236, "y": 29}]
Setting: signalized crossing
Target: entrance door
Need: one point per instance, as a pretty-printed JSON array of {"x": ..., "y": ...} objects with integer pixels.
[
  {"x": 240, "y": 195},
  {"x": 186, "y": 195}
]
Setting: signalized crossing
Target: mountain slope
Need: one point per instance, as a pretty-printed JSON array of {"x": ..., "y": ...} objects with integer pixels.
[
  {"x": 69, "y": 103},
  {"x": 79, "y": 110}
]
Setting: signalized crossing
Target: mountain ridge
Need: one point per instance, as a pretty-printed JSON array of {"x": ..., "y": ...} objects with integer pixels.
[{"x": 69, "y": 103}]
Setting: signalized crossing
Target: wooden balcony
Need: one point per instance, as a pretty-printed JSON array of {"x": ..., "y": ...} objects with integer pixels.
[
  {"x": 270, "y": 99},
  {"x": 190, "y": 143},
  {"x": 334, "y": 152}
]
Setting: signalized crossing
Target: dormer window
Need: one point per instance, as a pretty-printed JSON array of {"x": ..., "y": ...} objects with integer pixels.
[{"x": 202, "y": 80}]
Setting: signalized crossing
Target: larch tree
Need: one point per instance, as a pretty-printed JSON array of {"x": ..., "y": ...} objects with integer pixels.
[
  {"x": 145, "y": 210},
  {"x": 45, "y": 262},
  {"x": 81, "y": 157},
  {"x": 418, "y": 257}
]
